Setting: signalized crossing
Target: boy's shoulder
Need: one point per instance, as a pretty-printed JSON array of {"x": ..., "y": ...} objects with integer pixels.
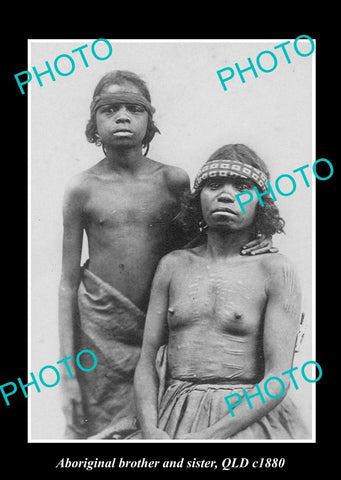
[
  {"x": 78, "y": 186},
  {"x": 176, "y": 174},
  {"x": 84, "y": 178},
  {"x": 78, "y": 181},
  {"x": 175, "y": 177}
]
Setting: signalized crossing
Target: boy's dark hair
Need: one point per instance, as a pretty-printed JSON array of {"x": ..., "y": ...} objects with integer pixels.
[
  {"x": 119, "y": 77},
  {"x": 267, "y": 219}
]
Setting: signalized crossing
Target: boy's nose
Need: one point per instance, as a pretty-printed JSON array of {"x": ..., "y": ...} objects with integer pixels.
[{"x": 122, "y": 114}]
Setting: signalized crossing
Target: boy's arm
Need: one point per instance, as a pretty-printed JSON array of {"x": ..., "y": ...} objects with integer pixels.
[
  {"x": 178, "y": 183},
  {"x": 281, "y": 323},
  {"x": 68, "y": 309},
  {"x": 261, "y": 244},
  {"x": 155, "y": 335}
]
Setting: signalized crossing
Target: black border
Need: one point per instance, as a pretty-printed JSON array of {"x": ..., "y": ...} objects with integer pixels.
[{"x": 43, "y": 457}]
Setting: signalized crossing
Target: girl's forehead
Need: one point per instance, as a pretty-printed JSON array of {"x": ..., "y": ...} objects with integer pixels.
[
  {"x": 122, "y": 87},
  {"x": 231, "y": 179}
]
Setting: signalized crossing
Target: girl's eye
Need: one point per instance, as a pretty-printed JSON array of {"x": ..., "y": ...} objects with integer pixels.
[
  {"x": 214, "y": 185},
  {"x": 242, "y": 185}
]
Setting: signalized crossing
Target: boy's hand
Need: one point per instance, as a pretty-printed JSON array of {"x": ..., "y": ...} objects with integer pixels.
[
  {"x": 76, "y": 421},
  {"x": 258, "y": 246}
]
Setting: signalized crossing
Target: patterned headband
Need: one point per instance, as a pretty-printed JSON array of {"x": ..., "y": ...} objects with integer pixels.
[
  {"x": 121, "y": 97},
  {"x": 228, "y": 168}
]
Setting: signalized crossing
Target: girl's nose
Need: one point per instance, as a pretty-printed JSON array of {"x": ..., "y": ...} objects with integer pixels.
[{"x": 227, "y": 194}]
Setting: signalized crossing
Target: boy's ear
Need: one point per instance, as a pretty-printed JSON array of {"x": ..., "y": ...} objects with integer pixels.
[{"x": 151, "y": 130}]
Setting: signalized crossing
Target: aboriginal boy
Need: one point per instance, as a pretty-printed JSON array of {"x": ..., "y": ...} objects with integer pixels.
[{"x": 126, "y": 204}]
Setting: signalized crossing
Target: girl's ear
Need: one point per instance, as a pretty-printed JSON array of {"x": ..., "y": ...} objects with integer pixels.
[{"x": 98, "y": 141}]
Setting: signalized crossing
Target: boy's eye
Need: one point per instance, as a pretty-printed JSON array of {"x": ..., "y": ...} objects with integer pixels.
[
  {"x": 135, "y": 108},
  {"x": 114, "y": 108},
  {"x": 110, "y": 109}
]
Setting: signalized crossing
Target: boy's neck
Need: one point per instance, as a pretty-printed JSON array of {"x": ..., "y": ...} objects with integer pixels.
[{"x": 124, "y": 159}]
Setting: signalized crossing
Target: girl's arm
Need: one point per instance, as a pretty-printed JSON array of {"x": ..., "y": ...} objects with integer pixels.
[
  {"x": 68, "y": 309},
  {"x": 155, "y": 335},
  {"x": 282, "y": 318}
]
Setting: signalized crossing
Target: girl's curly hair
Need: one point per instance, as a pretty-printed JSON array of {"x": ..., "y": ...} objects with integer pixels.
[
  {"x": 267, "y": 219},
  {"x": 119, "y": 77}
]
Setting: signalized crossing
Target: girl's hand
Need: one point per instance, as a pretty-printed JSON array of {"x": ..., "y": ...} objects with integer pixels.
[
  {"x": 155, "y": 433},
  {"x": 205, "y": 434},
  {"x": 258, "y": 246}
]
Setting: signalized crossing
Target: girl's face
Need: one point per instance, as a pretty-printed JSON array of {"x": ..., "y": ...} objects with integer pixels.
[
  {"x": 121, "y": 125},
  {"x": 219, "y": 206}
]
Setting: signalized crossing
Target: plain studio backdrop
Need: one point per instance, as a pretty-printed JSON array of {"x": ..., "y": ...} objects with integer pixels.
[{"x": 273, "y": 114}]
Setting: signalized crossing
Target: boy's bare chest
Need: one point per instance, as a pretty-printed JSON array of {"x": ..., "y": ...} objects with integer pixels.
[{"x": 135, "y": 202}]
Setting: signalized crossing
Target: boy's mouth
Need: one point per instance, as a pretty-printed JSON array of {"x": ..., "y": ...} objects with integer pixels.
[{"x": 123, "y": 133}]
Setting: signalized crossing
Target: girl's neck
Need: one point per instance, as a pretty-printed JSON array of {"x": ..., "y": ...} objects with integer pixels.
[{"x": 224, "y": 243}]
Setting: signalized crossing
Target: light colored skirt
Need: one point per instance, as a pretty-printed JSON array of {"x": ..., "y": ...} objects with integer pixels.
[{"x": 186, "y": 407}]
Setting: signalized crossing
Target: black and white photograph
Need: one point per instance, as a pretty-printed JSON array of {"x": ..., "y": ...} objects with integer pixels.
[
  {"x": 172, "y": 200},
  {"x": 174, "y": 240}
]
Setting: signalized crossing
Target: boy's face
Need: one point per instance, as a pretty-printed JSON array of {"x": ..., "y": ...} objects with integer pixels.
[
  {"x": 219, "y": 206},
  {"x": 119, "y": 124}
]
